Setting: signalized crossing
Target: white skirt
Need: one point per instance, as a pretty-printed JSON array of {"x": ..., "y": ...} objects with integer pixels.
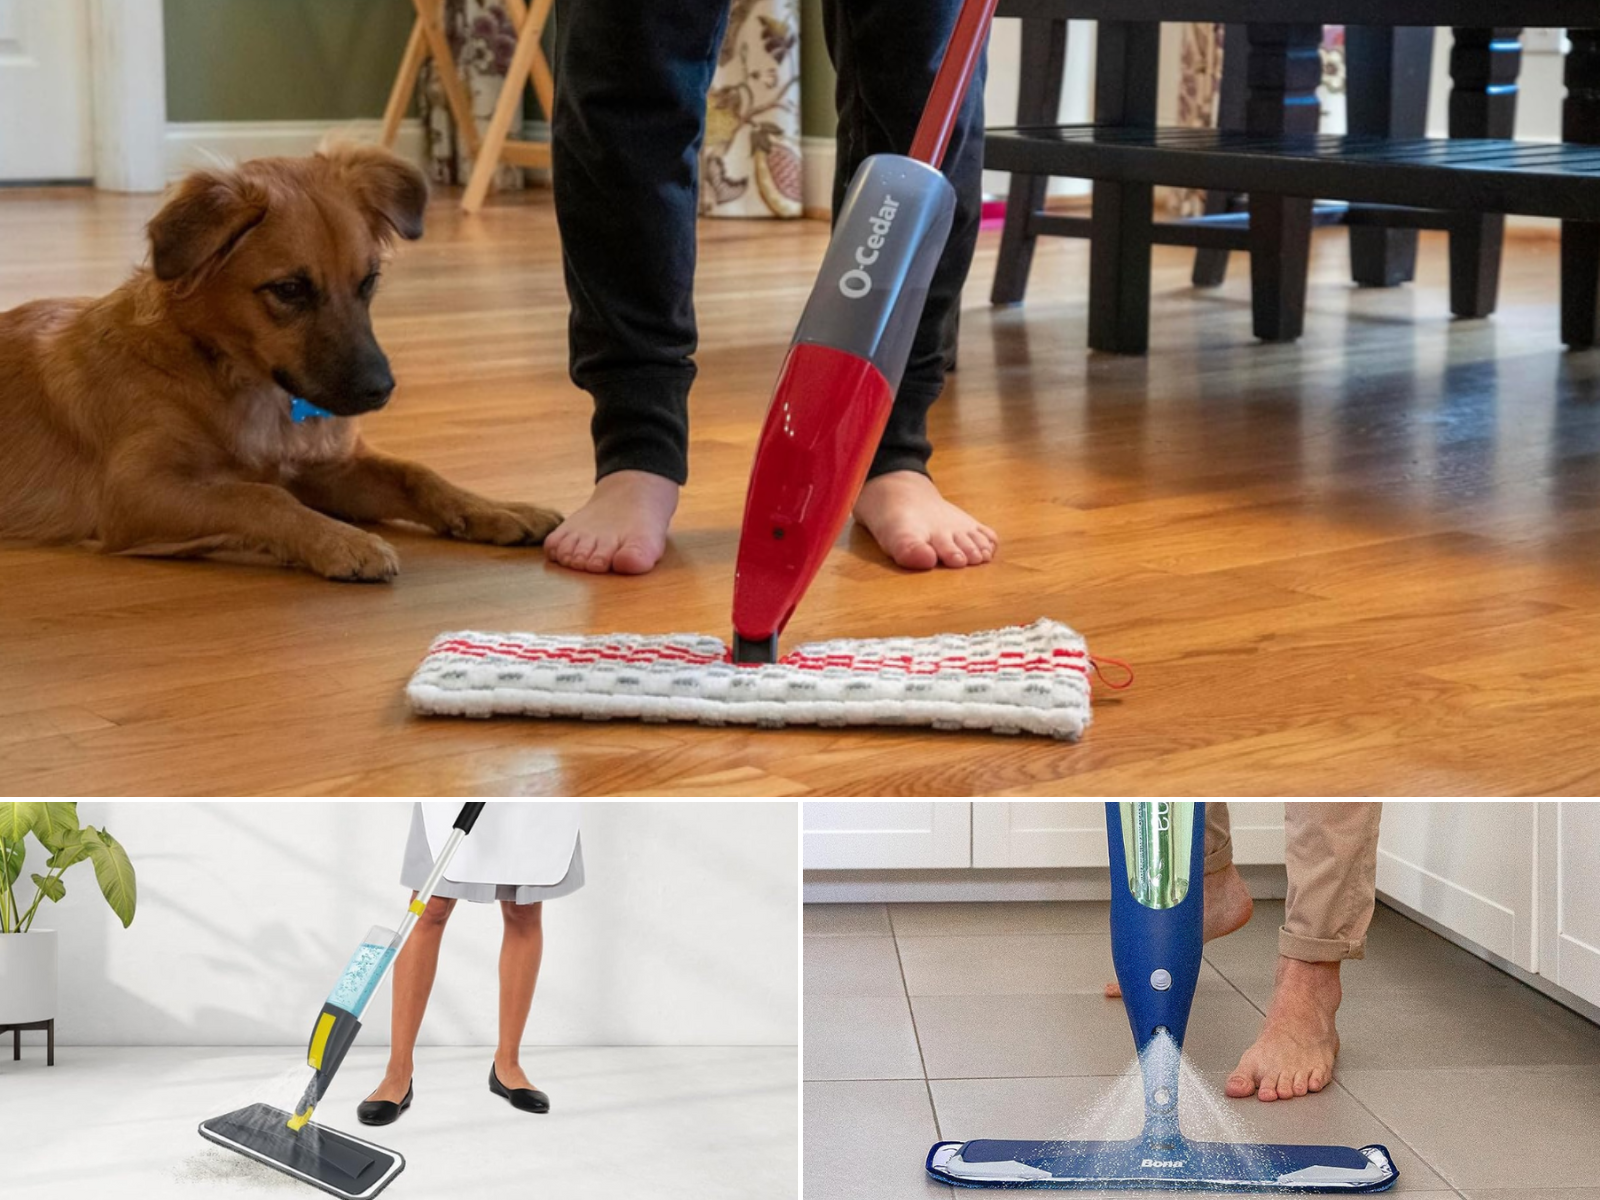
[{"x": 419, "y": 861}]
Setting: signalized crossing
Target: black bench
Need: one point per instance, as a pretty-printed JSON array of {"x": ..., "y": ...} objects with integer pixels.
[{"x": 1392, "y": 182}]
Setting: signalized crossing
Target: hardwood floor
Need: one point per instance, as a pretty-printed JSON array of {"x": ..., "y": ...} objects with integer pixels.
[{"x": 1366, "y": 562}]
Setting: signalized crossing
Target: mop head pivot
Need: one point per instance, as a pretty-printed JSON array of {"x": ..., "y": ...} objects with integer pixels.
[
  {"x": 335, "y": 1162},
  {"x": 1026, "y": 679},
  {"x": 1171, "y": 1164}
]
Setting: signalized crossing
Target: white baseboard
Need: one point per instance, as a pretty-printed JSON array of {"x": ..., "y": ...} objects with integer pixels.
[
  {"x": 1264, "y": 881},
  {"x": 1539, "y": 983},
  {"x": 816, "y": 188},
  {"x": 193, "y": 144}
]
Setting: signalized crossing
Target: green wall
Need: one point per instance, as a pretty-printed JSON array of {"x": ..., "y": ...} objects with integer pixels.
[
  {"x": 334, "y": 60},
  {"x": 282, "y": 60},
  {"x": 816, "y": 74}
]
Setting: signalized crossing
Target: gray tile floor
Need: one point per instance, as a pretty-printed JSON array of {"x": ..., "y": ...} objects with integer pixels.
[{"x": 931, "y": 1021}]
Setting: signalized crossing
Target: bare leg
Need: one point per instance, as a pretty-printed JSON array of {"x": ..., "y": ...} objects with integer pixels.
[
  {"x": 413, "y": 981},
  {"x": 521, "y": 948}
]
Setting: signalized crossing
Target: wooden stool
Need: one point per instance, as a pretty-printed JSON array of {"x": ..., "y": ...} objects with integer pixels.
[
  {"x": 428, "y": 40},
  {"x": 16, "y": 1032},
  {"x": 527, "y": 63}
]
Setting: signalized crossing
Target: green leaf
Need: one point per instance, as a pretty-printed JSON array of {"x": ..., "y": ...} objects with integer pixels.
[
  {"x": 57, "y": 819},
  {"x": 51, "y": 886},
  {"x": 17, "y": 817},
  {"x": 11, "y": 863},
  {"x": 115, "y": 873},
  {"x": 72, "y": 848}
]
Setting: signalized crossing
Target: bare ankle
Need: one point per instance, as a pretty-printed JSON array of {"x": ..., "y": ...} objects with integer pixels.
[{"x": 1316, "y": 981}]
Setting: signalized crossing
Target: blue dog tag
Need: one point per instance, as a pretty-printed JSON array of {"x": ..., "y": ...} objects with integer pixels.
[{"x": 303, "y": 410}]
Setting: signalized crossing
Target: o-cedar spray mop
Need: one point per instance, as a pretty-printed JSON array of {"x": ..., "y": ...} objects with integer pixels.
[
  {"x": 325, "y": 1158},
  {"x": 1157, "y": 908},
  {"x": 828, "y": 413}
]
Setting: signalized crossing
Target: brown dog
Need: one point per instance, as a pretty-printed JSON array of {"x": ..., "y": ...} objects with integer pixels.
[{"x": 157, "y": 419}]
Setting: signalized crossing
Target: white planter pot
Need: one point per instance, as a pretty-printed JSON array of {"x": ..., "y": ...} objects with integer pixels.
[{"x": 27, "y": 977}]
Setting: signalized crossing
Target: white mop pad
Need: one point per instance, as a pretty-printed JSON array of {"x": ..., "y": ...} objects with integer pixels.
[{"x": 1032, "y": 679}]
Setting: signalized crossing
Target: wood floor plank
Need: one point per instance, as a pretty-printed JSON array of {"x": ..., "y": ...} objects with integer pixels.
[{"x": 1367, "y": 561}]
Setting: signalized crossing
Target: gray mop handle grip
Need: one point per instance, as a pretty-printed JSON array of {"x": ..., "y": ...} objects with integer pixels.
[{"x": 468, "y": 816}]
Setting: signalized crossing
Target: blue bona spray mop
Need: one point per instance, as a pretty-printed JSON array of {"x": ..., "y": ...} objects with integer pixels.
[
  {"x": 1157, "y": 853},
  {"x": 336, "y": 1162}
]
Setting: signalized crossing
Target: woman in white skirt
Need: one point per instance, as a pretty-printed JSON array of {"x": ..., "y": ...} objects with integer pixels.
[{"x": 519, "y": 854}]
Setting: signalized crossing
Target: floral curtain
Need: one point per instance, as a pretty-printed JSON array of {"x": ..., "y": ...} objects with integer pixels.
[
  {"x": 482, "y": 39},
  {"x": 750, "y": 164},
  {"x": 1200, "y": 90}
]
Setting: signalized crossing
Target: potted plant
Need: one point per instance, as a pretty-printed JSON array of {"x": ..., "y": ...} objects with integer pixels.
[{"x": 28, "y": 955}]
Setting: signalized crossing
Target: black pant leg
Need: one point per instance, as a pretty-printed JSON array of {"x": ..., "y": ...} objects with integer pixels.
[
  {"x": 886, "y": 53},
  {"x": 631, "y": 80}
]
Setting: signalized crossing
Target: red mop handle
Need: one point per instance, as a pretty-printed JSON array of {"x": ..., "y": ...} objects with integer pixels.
[{"x": 950, "y": 84}]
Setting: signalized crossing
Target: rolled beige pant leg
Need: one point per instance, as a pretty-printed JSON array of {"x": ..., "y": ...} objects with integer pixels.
[
  {"x": 1331, "y": 852},
  {"x": 1219, "y": 836}
]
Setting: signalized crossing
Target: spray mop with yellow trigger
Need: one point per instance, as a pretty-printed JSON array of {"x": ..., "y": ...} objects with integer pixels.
[
  {"x": 1157, "y": 910},
  {"x": 325, "y": 1158}
]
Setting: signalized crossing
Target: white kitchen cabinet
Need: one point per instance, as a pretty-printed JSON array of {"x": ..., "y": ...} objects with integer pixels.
[
  {"x": 886, "y": 834},
  {"x": 1569, "y": 888},
  {"x": 1073, "y": 833},
  {"x": 1051, "y": 833},
  {"x": 1470, "y": 867}
]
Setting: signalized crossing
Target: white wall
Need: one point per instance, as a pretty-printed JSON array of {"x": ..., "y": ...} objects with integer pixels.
[{"x": 685, "y": 933}]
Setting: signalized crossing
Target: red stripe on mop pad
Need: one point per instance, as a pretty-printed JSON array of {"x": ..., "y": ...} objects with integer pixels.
[{"x": 1024, "y": 679}]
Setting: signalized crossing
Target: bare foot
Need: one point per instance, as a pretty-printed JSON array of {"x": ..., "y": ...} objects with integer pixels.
[
  {"x": 623, "y": 527},
  {"x": 917, "y": 527},
  {"x": 1298, "y": 1043},
  {"x": 510, "y": 1073},
  {"x": 1228, "y": 907},
  {"x": 394, "y": 1086}
]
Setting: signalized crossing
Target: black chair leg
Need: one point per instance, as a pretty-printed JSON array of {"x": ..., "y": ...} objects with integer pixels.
[
  {"x": 1580, "y": 240},
  {"x": 1044, "y": 56},
  {"x": 1285, "y": 69},
  {"x": 1128, "y": 57},
  {"x": 1484, "y": 65},
  {"x": 1388, "y": 69},
  {"x": 50, "y": 1036}
]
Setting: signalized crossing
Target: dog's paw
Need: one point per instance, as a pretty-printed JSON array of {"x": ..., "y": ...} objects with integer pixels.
[
  {"x": 356, "y": 557},
  {"x": 504, "y": 525}
]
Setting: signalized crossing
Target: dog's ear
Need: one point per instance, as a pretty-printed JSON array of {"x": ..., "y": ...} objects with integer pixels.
[
  {"x": 205, "y": 219},
  {"x": 392, "y": 192}
]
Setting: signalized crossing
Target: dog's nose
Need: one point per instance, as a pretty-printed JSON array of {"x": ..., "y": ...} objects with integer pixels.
[{"x": 373, "y": 390}]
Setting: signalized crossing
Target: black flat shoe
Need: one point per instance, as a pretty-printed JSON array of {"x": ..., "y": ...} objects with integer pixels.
[
  {"x": 527, "y": 1099},
  {"x": 382, "y": 1112}
]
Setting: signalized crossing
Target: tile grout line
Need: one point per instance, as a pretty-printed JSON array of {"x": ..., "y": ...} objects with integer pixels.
[
  {"x": 1439, "y": 1171},
  {"x": 905, "y": 988}
]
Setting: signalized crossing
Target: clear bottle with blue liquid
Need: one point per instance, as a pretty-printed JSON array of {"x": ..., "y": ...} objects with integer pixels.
[{"x": 364, "y": 971}]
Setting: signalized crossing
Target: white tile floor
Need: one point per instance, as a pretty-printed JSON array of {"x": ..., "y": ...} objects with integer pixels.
[
  {"x": 934, "y": 1021},
  {"x": 662, "y": 1123}
]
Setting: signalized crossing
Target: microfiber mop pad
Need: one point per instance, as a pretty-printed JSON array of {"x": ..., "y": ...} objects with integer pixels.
[{"x": 1030, "y": 679}]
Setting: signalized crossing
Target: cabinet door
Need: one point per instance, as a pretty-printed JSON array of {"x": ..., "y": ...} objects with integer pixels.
[
  {"x": 1468, "y": 866},
  {"x": 1045, "y": 833},
  {"x": 867, "y": 834},
  {"x": 1063, "y": 833},
  {"x": 1569, "y": 877}
]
